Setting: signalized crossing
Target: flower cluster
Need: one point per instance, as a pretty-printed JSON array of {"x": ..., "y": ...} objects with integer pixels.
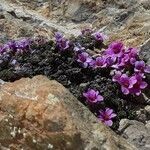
[
  {"x": 116, "y": 57},
  {"x": 129, "y": 70},
  {"x": 133, "y": 84},
  {"x": 99, "y": 62},
  {"x": 126, "y": 60},
  {"x": 93, "y": 97},
  {"x": 84, "y": 59},
  {"x": 15, "y": 46},
  {"x": 61, "y": 42},
  {"x": 140, "y": 67}
]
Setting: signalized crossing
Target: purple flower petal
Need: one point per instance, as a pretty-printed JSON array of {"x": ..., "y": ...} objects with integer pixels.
[
  {"x": 109, "y": 111},
  {"x": 147, "y": 69},
  {"x": 100, "y": 98},
  {"x": 108, "y": 123},
  {"x": 106, "y": 116},
  {"x": 124, "y": 90},
  {"x": 143, "y": 85},
  {"x": 117, "y": 76},
  {"x": 113, "y": 115}
]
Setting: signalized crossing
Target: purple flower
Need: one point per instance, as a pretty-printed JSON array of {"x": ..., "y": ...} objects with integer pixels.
[
  {"x": 130, "y": 85},
  {"x": 12, "y": 45},
  {"x": 61, "y": 42},
  {"x": 4, "y": 48},
  {"x": 93, "y": 96},
  {"x": 106, "y": 116},
  {"x": 122, "y": 62},
  {"x": 99, "y": 62},
  {"x": 117, "y": 76},
  {"x": 84, "y": 59},
  {"x": 109, "y": 61},
  {"x": 100, "y": 37},
  {"x": 15, "y": 46},
  {"x": 115, "y": 50},
  {"x": 58, "y": 36},
  {"x": 141, "y": 67},
  {"x": 132, "y": 52},
  {"x": 139, "y": 85},
  {"x": 127, "y": 59},
  {"x": 22, "y": 44},
  {"x": 126, "y": 82}
]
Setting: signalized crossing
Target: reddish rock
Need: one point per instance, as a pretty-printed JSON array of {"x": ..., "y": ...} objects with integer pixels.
[{"x": 39, "y": 114}]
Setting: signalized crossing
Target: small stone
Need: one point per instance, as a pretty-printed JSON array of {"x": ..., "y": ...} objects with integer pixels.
[
  {"x": 34, "y": 141},
  {"x": 50, "y": 146},
  {"x": 141, "y": 115},
  {"x": 147, "y": 109},
  {"x": 148, "y": 125},
  {"x": 123, "y": 124},
  {"x": 82, "y": 85}
]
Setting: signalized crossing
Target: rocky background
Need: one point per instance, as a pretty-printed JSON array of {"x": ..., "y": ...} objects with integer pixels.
[
  {"x": 26, "y": 119},
  {"x": 128, "y": 20}
]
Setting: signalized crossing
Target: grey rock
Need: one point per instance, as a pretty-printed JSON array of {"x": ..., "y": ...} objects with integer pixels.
[
  {"x": 145, "y": 51},
  {"x": 135, "y": 132},
  {"x": 146, "y": 4},
  {"x": 141, "y": 115},
  {"x": 82, "y": 14},
  {"x": 148, "y": 125},
  {"x": 2, "y": 82},
  {"x": 147, "y": 109},
  {"x": 145, "y": 55}
]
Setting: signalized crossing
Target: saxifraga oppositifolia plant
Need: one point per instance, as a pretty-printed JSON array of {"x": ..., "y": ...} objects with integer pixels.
[{"x": 121, "y": 64}]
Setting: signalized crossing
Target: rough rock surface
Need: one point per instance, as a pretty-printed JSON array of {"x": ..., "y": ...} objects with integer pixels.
[
  {"x": 136, "y": 132},
  {"x": 126, "y": 20},
  {"x": 145, "y": 51},
  {"x": 145, "y": 54},
  {"x": 41, "y": 114}
]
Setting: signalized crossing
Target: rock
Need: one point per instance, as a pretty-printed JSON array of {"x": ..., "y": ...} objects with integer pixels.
[
  {"x": 128, "y": 20},
  {"x": 141, "y": 115},
  {"x": 145, "y": 54},
  {"x": 148, "y": 125},
  {"x": 147, "y": 109},
  {"x": 145, "y": 51},
  {"x": 135, "y": 132},
  {"x": 82, "y": 13},
  {"x": 2, "y": 82},
  {"x": 39, "y": 114},
  {"x": 146, "y": 4}
]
